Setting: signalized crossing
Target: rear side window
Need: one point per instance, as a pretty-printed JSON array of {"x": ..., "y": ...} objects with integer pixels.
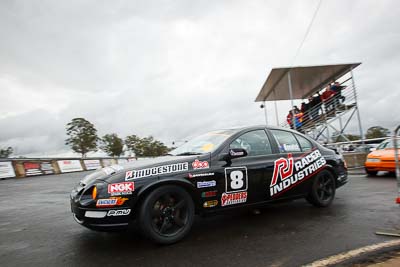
[
  {"x": 286, "y": 141},
  {"x": 304, "y": 143}
]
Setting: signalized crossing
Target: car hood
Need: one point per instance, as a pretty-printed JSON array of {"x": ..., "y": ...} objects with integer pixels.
[
  {"x": 108, "y": 173},
  {"x": 382, "y": 154}
]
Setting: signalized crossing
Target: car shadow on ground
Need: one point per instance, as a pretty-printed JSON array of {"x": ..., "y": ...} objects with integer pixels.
[
  {"x": 278, "y": 222},
  {"x": 382, "y": 174}
]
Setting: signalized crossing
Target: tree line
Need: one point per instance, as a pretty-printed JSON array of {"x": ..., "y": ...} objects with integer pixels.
[
  {"x": 83, "y": 138},
  {"x": 372, "y": 132}
]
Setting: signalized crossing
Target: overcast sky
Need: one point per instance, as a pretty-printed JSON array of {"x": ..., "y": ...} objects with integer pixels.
[{"x": 176, "y": 68}]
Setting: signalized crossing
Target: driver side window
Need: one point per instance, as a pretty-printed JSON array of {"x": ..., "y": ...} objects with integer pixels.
[{"x": 255, "y": 142}]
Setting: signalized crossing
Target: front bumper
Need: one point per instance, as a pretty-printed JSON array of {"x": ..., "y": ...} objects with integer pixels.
[{"x": 99, "y": 218}]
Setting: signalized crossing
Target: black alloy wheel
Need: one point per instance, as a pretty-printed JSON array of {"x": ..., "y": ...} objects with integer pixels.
[
  {"x": 323, "y": 189},
  {"x": 167, "y": 214}
]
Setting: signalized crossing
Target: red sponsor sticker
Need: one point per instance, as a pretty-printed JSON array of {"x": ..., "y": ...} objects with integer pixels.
[
  {"x": 31, "y": 165},
  {"x": 200, "y": 164},
  {"x": 209, "y": 194},
  {"x": 121, "y": 188},
  {"x": 233, "y": 198}
]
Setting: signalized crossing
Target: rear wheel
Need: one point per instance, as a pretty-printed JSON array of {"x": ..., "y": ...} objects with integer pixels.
[
  {"x": 323, "y": 189},
  {"x": 371, "y": 173},
  {"x": 167, "y": 214}
]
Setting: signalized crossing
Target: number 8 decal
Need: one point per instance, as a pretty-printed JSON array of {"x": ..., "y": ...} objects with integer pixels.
[{"x": 235, "y": 179}]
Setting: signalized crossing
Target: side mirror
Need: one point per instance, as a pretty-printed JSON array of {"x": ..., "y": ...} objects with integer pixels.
[
  {"x": 237, "y": 153},
  {"x": 233, "y": 154}
]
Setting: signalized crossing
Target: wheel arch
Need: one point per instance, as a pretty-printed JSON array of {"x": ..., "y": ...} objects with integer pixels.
[{"x": 333, "y": 171}]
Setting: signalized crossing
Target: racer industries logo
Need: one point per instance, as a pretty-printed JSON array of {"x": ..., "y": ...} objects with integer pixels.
[{"x": 292, "y": 172}]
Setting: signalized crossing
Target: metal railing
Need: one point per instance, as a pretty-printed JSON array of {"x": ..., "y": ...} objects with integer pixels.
[
  {"x": 357, "y": 150},
  {"x": 362, "y": 145},
  {"x": 326, "y": 111}
]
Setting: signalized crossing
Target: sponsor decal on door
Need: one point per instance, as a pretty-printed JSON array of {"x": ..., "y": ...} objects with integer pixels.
[{"x": 289, "y": 172}]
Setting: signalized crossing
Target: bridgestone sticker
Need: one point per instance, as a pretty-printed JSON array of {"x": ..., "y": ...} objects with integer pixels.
[
  {"x": 172, "y": 168},
  {"x": 289, "y": 172}
]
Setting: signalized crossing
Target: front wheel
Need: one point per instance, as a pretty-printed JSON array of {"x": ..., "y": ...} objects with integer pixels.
[
  {"x": 323, "y": 189},
  {"x": 167, "y": 214}
]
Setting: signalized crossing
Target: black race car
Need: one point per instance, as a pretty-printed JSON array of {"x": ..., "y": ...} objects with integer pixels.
[{"x": 216, "y": 171}]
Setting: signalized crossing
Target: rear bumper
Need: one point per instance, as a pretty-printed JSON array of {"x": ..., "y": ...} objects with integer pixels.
[
  {"x": 342, "y": 179},
  {"x": 380, "y": 166}
]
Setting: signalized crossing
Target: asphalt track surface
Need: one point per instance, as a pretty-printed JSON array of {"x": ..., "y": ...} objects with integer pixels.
[{"x": 37, "y": 229}]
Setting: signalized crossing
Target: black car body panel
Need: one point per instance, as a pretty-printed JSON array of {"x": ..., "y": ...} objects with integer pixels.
[{"x": 215, "y": 180}]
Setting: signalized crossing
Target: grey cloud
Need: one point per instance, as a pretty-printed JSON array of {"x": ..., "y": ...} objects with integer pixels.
[{"x": 175, "y": 68}]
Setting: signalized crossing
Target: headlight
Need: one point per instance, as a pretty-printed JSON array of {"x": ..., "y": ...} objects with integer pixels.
[
  {"x": 94, "y": 193},
  {"x": 373, "y": 160}
]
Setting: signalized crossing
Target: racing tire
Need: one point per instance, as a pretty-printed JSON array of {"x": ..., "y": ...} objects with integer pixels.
[
  {"x": 323, "y": 189},
  {"x": 371, "y": 173},
  {"x": 166, "y": 214}
]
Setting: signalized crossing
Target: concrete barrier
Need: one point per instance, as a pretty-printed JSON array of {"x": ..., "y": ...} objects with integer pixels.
[
  {"x": 24, "y": 167},
  {"x": 355, "y": 159}
]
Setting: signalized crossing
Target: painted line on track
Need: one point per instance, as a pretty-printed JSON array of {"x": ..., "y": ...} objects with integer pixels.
[{"x": 352, "y": 253}]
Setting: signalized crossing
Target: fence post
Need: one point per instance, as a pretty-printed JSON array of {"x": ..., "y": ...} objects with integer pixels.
[{"x": 396, "y": 159}]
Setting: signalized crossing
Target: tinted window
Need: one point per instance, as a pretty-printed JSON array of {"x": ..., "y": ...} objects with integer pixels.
[
  {"x": 255, "y": 142},
  {"x": 286, "y": 141},
  {"x": 304, "y": 143}
]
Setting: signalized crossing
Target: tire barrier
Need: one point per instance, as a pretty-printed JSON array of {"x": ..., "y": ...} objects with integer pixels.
[{"x": 26, "y": 167}]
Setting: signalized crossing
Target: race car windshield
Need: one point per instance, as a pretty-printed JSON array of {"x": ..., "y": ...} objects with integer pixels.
[{"x": 204, "y": 143}]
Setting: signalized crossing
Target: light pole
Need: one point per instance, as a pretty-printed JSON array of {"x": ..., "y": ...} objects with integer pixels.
[{"x": 265, "y": 112}]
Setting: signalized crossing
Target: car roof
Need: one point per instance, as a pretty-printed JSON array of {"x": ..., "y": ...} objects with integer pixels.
[
  {"x": 259, "y": 127},
  {"x": 256, "y": 127}
]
